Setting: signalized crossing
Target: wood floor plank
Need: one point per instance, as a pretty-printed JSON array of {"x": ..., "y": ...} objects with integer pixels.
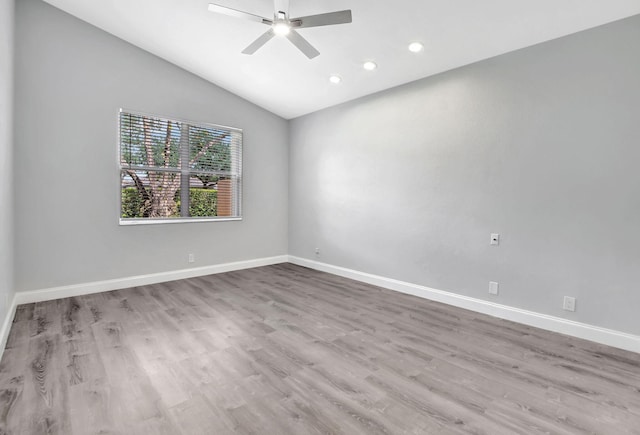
[
  {"x": 288, "y": 350},
  {"x": 89, "y": 408},
  {"x": 46, "y": 385},
  {"x": 197, "y": 416}
]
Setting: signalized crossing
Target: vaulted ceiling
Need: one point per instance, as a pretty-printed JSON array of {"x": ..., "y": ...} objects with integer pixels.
[{"x": 281, "y": 79}]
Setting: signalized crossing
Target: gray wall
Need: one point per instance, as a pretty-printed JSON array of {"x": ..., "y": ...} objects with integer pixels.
[
  {"x": 6, "y": 150},
  {"x": 541, "y": 145},
  {"x": 71, "y": 79}
]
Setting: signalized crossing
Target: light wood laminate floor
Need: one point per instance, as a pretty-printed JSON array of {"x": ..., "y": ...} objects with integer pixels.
[{"x": 287, "y": 350}]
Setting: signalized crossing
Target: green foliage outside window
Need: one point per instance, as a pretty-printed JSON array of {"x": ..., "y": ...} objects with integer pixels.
[{"x": 203, "y": 203}]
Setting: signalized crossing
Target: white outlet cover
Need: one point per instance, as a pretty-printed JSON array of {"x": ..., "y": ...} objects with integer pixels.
[
  {"x": 569, "y": 303},
  {"x": 493, "y": 288},
  {"x": 494, "y": 239}
]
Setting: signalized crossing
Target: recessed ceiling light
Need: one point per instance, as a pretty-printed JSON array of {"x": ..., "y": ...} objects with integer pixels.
[
  {"x": 335, "y": 79},
  {"x": 416, "y": 47},
  {"x": 369, "y": 65}
]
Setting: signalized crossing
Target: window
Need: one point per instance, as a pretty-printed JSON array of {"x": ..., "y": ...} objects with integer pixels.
[{"x": 176, "y": 171}]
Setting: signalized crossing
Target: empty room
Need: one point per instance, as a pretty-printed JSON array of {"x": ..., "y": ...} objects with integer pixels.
[{"x": 337, "y": 217}]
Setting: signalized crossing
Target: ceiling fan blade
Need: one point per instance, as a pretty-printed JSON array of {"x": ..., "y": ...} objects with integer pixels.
[
  {"x": 263, "y": 39},
  {"x": 339, "y": 17},
  {"x": 238, "y": 14},
  {"x": 281, "y": 6},
  {"x": 302, "y": 44}
]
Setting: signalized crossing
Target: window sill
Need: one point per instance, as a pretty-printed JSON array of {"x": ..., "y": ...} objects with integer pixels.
[{"x": 127, "y": 222}]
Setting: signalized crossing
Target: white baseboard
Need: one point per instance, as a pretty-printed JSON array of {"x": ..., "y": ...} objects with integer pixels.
[
  {"x": 31, "y": 296},
  {"x": 6, "y": 325},
  {"x": 597, "y": 334}
]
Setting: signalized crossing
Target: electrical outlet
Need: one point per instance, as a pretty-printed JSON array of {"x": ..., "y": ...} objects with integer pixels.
[
  {"x": 494, "y": 239},
  {"x": 493, "y": 288},
  {"x": 569, "y": 303},
  {"x": 317, "y": 251},
  {"x": 192, "y": 258}
]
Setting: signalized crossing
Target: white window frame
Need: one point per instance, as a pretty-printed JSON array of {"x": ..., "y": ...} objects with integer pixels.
[{"x": 177, "y": 220}]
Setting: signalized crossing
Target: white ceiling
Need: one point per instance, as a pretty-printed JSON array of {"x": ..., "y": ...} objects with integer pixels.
[{"x": 281, "y": 79}]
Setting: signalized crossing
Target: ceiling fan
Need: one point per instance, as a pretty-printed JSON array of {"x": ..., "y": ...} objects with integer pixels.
[{"x": 281, "y": 24}]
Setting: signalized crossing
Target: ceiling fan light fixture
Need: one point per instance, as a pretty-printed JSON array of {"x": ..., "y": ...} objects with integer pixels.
[
  {"x": 369, "y": 65},
  {"x": 335, "y": 79},
  {"x": 416, "y": 47},
  {"x": 281, "y": 28}
]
